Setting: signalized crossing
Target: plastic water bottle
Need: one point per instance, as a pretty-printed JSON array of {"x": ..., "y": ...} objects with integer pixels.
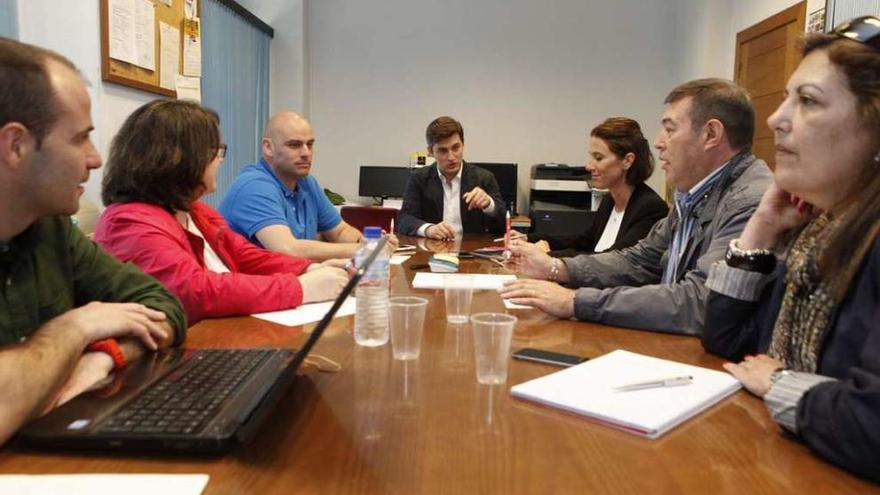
[{"x": 371, "y": 318}]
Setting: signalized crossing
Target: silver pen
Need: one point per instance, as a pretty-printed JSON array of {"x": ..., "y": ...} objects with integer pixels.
[
  {"x": 674, "y": 381},
  {"x": 514, "y": 234}
]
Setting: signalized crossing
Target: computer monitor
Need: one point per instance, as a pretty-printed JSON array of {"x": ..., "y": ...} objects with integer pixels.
[
  {"x": 383, "y": 181},
  {"x": 505, "y": 174}
]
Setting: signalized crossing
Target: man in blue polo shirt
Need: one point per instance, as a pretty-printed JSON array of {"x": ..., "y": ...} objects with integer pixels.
[{"x": 278, "y": 205}]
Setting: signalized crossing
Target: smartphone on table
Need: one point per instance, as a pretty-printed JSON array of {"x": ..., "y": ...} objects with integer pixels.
[{"x": 548, "y": 357}]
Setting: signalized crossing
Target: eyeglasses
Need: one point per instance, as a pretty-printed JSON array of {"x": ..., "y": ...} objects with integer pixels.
[
  {"x": 865, "y": 29},
  {"x": 221, "y": 150}
]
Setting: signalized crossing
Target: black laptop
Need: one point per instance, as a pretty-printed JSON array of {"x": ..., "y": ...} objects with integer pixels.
[{"x": 178, "y": 400}]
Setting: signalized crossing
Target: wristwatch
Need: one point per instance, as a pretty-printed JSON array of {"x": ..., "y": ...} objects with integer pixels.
[
  {"x": 753, "y": 260},
  {"x": 777, "y": 375},
  {"x": 110, "y": 347}
]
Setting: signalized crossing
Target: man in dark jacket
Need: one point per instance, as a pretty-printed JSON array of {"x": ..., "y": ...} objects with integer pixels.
[{"x": 451, "y": 197}]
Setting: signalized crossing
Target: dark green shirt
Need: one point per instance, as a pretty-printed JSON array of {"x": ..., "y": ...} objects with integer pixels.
[{"x": 51, "y": 268}]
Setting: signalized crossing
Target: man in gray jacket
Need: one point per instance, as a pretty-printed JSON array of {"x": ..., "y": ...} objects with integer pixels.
[{"x": 659, "y": 284}]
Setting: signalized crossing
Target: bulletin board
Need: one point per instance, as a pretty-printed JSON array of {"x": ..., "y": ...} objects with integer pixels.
[{"x": 170, "y": 12}]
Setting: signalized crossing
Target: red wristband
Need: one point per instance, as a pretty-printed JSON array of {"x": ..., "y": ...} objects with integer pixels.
[{"x": 110, "y": 347}]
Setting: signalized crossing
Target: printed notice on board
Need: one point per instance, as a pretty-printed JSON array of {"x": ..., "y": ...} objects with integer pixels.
[
  {"x": 192, "y": 48},
  {"x": 189, "y": 88},
  {"x": 132, "y": 27},
  {"x": 169, "y": 55},
  {"x": 189, "y": 9},
  {"x": 145, "y": 34},
  {"x": 120, "y": 21}
]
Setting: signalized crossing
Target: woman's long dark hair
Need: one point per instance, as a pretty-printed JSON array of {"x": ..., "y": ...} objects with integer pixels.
[
  {"x": 623, "y": 135},
  {"x": 860, "y": 64},
  {"x": 160, "y": 154}
]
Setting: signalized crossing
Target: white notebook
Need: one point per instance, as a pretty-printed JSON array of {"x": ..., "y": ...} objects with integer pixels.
[
  {"x": 588, "y": 389},
  {"x": 482, "y": 281}
]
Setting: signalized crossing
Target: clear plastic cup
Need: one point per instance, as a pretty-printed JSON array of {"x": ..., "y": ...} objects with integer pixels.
[
  {"x": 493, "y": 333},
  {"x": 459, "y": 290},
  {"x": 406, "y": 318}
]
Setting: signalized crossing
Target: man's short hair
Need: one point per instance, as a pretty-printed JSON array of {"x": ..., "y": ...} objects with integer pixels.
[
  {"x": 723, "y": 100},
  {"x": 443, "y": 128},
  {"x": 27, "y": 96}
]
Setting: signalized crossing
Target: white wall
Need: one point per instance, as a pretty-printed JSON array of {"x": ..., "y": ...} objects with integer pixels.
[
  {"x": 750, "y": 12},
  {"x": 72, "y": 29},
  {"x": 526, "y": 79},
  {"x": 706, "y": 44},
  {"x": 287, "y": 58}
]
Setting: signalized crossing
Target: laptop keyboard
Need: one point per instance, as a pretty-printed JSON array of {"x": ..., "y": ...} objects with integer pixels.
[{"x": 186, "y": 399}]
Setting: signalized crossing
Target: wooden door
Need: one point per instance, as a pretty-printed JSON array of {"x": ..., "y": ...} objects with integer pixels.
[{"x": 766, "y": 55}]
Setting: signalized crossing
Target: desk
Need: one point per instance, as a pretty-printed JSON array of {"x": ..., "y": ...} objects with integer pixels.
[{"x": 385, "y": 426}]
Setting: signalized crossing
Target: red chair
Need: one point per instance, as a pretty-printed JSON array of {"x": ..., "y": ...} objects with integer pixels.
[{"x": 367, "y": 216}]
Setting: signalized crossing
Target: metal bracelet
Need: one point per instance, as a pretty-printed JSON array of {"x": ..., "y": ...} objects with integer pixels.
[
  {"x": 735, "y": 250},
  {"x": 554, "y": 269}
]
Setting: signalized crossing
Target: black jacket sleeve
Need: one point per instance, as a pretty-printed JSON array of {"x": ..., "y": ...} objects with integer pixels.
[
  {"x": 494, "y": 223},
  {"x": 734, "y": 327},
  {"x": 839, "y": 419},
  {"x": 411, "y": 216}
]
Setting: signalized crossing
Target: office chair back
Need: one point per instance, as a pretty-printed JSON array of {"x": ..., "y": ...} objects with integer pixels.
[{"x": 366, "y": 216}]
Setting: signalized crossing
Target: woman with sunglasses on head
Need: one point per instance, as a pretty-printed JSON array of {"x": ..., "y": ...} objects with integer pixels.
[
  {"x": 620, "y": 161},
  {"x": 164, "y": 158},
  {"x": 813, "y": 319}
]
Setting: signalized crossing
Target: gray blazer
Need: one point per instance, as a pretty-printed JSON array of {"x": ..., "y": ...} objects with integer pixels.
[{"x": 623, "y": 288}]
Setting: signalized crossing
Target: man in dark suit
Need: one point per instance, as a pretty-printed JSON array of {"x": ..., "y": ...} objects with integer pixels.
[{"x": 450, "y": 197}]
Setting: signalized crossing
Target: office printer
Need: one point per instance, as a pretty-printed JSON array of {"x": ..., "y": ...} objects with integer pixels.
[{"x": 559, "y": 199}]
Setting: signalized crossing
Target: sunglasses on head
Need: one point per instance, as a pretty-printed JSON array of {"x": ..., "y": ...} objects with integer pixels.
[{"x": 865, "y": 29}]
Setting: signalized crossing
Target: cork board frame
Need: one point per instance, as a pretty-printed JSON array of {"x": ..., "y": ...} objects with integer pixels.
[{"x": 133, "y": 76}]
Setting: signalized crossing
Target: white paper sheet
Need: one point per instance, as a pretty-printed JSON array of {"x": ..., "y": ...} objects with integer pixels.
[
  {"x": 307, "y": 313},
  {"x": 121, "y": 25},
  {"x": 189, "y": 9},
  {"x": 399, "y": 259},
  {"x": 511, "y": 305},
  {"x": 189, "y": 88},
  {"x": 482, "y": 281},
  {"x": 169, "y": 59},
  {"x": 397, "y": 204},
  {"x": 192, "y": 48},
  {"x": 145, "y": 34},
  {"x": 99, "y": 484}
]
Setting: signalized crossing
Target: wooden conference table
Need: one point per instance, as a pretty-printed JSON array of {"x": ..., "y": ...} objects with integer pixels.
[{"x": 426, "y": 426}]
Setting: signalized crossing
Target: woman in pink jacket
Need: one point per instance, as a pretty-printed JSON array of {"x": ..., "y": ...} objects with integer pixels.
[{"x": 164, "y": 158}]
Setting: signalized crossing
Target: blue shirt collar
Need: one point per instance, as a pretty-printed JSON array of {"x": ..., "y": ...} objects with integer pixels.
[
  {"x": 287, "y": 191},
  {"x": 687, "y": 200}
]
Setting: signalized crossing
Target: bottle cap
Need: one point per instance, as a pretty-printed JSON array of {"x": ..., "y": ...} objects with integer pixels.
[{"x": 372, "y": 232}]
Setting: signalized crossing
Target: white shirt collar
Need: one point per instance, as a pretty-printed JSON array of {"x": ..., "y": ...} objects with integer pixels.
[{"x": 457, "y": 176}]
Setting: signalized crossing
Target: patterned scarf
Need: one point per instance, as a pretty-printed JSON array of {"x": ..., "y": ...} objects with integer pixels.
[{"x": 808, "y": 302}]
